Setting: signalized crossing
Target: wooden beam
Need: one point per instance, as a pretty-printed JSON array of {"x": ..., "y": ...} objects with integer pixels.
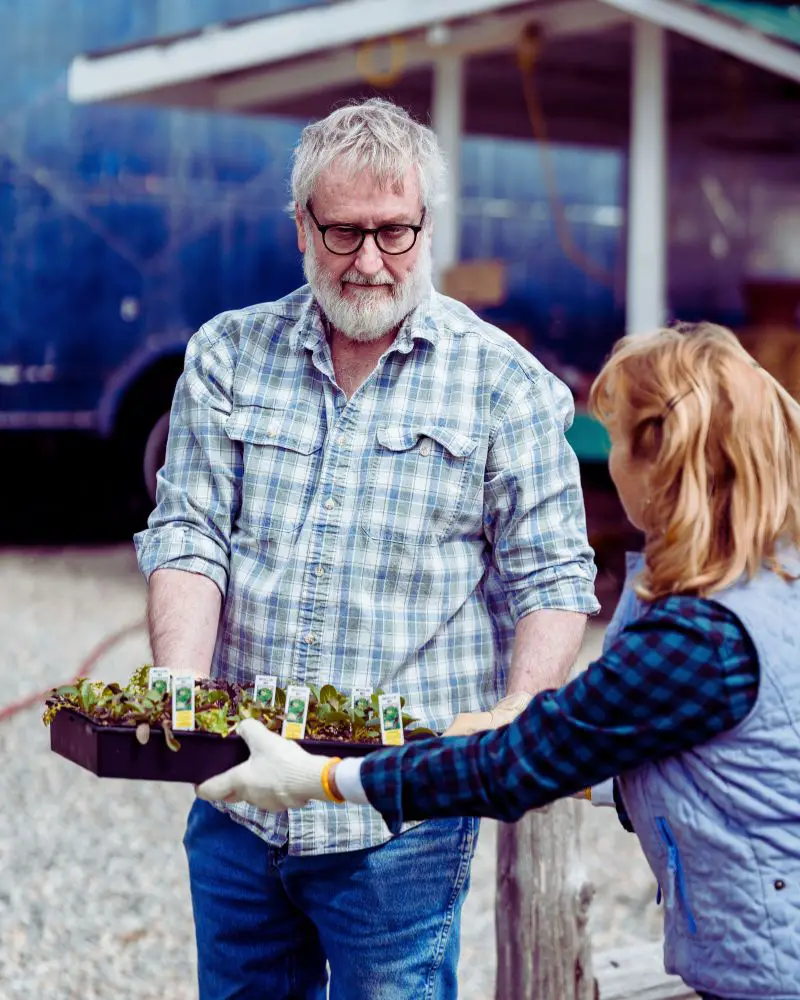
[{"x": 636, "y": 972}]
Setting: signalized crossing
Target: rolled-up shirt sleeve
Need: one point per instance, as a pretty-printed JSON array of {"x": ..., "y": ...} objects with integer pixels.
[
  {"x": 198, "y": 488},
  {"x": 535, "y": 518}
]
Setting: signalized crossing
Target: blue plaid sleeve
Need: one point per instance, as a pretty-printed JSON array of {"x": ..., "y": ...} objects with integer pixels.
[
  {"x": 536, "y": 520},
  {"x": 190, "y": 528},
  {"x": 683, "y": 673}
]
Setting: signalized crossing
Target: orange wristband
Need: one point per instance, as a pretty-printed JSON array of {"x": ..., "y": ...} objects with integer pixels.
[{"x": 326, "y": 781}]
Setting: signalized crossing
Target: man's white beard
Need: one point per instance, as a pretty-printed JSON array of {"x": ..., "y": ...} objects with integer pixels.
[{"x": 373, "y": 314}]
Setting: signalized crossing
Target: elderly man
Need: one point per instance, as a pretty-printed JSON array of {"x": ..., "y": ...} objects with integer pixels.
[{"x": 365, "y": 485}]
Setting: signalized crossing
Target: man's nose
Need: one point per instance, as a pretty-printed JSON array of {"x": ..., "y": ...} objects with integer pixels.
[{"x": 369, "y": 260}]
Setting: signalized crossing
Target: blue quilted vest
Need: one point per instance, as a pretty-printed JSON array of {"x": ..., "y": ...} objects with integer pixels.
[{"x": 720, "y": 824}]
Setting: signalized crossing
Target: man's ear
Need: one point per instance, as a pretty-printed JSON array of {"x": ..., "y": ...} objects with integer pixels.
[{"x": 301, "y": 229}]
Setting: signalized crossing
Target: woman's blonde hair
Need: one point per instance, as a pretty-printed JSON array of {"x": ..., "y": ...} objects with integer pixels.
[{"x": 720, "y": 439}]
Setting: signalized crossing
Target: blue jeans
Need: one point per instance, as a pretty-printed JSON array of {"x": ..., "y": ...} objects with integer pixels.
[{"x": 386, "y": 918}]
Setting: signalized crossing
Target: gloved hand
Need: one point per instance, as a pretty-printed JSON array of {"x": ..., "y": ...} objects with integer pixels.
[
  {"x": 278, "y": 774},
  {"x": 505, "y": 711}
]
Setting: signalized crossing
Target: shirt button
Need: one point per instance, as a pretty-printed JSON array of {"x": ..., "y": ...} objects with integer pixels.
[
  {"x": 341, "y": 440},
  {"x": 273, "y": 429},
  {"x": 425, "y": 450},
  {"x": 310, "y": 638},
  {"x": 329, "y": 504},
  {"x": 320, "y": 571}
]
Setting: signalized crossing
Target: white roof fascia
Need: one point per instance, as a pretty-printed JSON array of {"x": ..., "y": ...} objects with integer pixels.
[
  {"x": 716, "y": 32},
  {"x": 490, "y": 33},
  {"x": 328, "y": 34},
  {"x": 224, "y": 49}
]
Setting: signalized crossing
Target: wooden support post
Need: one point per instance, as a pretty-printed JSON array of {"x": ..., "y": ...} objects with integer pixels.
[{"x": 543, "y": 897}]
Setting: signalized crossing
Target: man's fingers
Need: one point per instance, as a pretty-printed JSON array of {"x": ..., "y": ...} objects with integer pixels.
[
  {"x": 467, "y": 723},
  {"x": 226, "y": 787}
]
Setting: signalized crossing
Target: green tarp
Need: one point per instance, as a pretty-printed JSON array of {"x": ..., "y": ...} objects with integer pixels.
[{"x": 778, "y": 20}]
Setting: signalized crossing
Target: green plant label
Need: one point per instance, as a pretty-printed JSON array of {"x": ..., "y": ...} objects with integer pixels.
[
  {"x": 391, "y": 716},
  {"x": 183, "y": 701},
  {"x": 264, "y": 690},
  {"x": 159, "y": 679},
  {"x": 362, "y": 700},
  {"x": 296, "y": 714}
]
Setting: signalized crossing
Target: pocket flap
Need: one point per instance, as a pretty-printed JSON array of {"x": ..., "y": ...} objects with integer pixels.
[
  {"x": 454, "y": 441},
  {"x": 287, "y": 428}
]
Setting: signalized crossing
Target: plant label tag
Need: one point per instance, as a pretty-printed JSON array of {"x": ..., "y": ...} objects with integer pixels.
[
  {"x": 264, "y": 690},
  {"x": 294, "y": 723},
  {"x": 391, "y": 715},
  {"x": 159, "y": 679},
  {"x": 183, "y": 701},
  {"x": 361, "y": 700}
]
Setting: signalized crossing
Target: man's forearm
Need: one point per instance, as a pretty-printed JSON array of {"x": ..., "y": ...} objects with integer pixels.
[
  {"x": 546, "y": 645},
  {"x": 183, "y": 612}
]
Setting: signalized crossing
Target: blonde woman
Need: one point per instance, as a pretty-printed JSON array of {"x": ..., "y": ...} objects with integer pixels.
[{"x": 695, "y": 703}]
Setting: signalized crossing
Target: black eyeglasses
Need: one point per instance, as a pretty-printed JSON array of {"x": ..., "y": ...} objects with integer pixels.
[{"x": 394, "y": 238}]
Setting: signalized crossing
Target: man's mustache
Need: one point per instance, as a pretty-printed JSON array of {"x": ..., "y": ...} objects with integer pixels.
[{"x": 355, "y": 278}]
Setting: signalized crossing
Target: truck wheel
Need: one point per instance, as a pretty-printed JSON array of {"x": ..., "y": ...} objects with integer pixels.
[{"x": 155, "y": 451}]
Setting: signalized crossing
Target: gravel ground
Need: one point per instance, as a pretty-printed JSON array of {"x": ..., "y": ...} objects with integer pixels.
[{"x": 93, "y": 884}]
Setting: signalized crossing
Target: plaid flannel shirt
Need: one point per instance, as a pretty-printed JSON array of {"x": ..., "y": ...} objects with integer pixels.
[
  {"x": 680, "y": 675},
  {"x": 390, "y": 540}
]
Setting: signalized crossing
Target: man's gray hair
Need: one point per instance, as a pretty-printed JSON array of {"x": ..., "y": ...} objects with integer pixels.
[{"x": 373, "y": 135}]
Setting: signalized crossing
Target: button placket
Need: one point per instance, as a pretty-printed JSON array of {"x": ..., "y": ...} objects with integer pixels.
[{"x": 325, "y": 533}]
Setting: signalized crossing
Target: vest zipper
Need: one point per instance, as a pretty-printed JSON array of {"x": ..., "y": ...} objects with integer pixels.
[{"x": 676, "y": 867}]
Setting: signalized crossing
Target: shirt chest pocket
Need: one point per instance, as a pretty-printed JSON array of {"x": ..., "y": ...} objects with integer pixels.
[
  {"x": 421, "y": 480},
  {"x": 281, "y": 453}
]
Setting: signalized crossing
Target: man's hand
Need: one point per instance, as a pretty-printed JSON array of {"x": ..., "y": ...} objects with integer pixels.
[
  {"x": 278, "y": 774},
  {"x": 505, "y": 711}
]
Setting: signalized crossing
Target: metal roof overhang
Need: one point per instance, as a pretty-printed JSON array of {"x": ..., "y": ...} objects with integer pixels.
[{"x": 302, "y": 62}]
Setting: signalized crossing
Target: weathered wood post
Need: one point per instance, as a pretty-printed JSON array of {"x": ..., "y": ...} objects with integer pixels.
[{"x": 542, "y": 909}]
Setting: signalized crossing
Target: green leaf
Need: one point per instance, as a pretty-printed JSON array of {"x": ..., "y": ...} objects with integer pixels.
[
  {"x": 214, "y": 720},
  {"x": 334, "y": 715},
  {"x": 329, "y": 696}
]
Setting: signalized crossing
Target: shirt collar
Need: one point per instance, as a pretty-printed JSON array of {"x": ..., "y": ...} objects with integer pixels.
[
  {"x": 420, "y": 324},
  {"x": 309, "y": 329}
]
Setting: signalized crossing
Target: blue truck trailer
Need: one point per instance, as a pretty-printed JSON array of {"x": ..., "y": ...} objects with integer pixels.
[{"x": 123, "y": 227}]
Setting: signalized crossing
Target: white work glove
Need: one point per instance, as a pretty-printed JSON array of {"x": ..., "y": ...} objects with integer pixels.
[
  {"x": 277, "y": 775},
  {"x": 505, "y": 711}
]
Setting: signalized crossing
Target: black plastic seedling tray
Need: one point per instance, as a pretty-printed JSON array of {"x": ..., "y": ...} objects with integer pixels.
[{"x": 115, "y": 752}]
